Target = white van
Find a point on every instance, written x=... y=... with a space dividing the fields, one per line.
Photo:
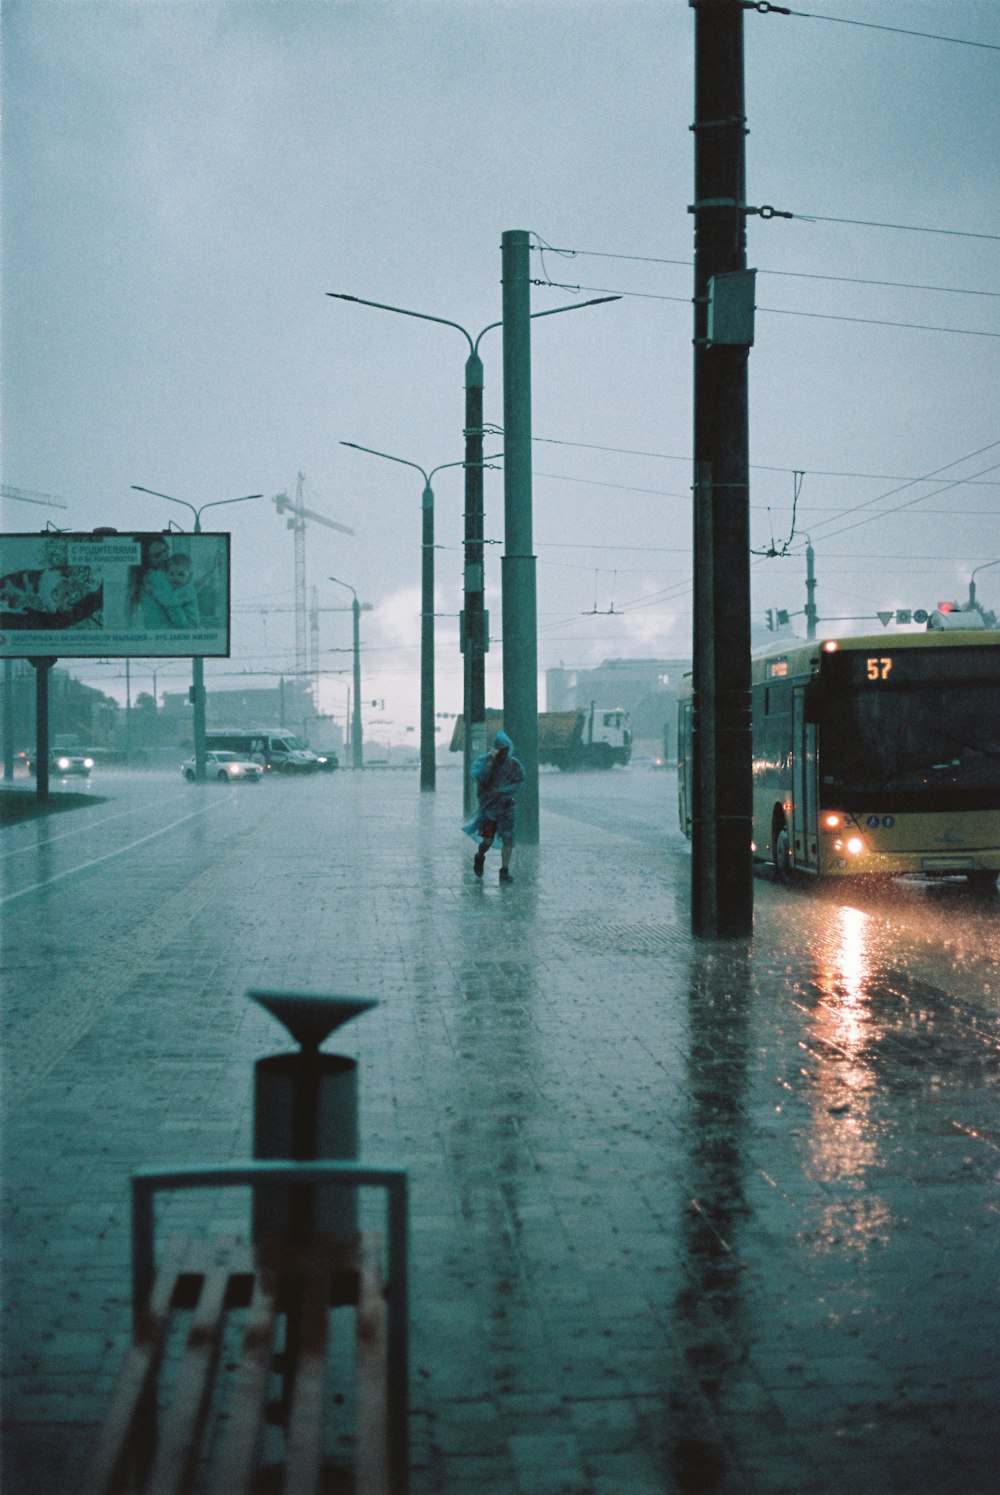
x=279 y=751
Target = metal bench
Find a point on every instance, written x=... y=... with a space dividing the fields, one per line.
x=195 y=1415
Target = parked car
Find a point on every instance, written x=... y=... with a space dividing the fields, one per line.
x=228 y=768
x=61 y=765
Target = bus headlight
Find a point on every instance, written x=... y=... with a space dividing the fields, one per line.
x=855 y=845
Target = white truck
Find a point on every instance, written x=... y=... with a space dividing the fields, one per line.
x=570 y=740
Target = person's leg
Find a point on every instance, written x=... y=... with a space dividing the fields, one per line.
x=478 y=861
x=505 y=856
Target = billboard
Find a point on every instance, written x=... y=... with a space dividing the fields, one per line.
x=112 y=595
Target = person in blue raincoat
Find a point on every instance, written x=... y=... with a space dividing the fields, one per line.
x=497 y=775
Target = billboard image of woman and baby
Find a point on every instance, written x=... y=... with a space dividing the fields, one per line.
x=107 y=595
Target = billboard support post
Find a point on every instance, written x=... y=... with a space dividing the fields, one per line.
x=42 y=669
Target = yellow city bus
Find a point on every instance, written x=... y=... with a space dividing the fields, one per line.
x=873 y=756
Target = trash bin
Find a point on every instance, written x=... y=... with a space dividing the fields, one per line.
x=306 y=1108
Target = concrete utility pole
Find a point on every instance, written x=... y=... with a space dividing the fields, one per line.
x=722 y=791
x=520 y=635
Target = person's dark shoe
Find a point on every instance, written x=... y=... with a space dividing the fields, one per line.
x=478 y=862
x=505 y=875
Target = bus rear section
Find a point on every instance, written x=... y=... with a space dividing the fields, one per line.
x=880 y=756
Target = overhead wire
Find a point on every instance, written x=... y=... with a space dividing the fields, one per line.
x=778 y=311
x=902 y=285
x=932 y=36
x=679 y=589
x=812 y=472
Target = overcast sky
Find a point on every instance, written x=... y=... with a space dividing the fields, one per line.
x=184 y=180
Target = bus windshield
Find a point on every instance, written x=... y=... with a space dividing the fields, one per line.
x=938 y=740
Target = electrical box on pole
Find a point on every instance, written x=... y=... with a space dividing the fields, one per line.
x=731 y=299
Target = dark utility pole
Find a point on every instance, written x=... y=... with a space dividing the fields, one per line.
x=520 y=636
x=722 y=798
x=428 y=746
x=474 y=639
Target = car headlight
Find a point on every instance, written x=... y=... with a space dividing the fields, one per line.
x=88 y=762
x=62 y=762
x=234 y=770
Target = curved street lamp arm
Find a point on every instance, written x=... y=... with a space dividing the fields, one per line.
x=168 y=496
x=404 y=312
x=217 y=501
x=575 y=306
x=552 y=312
x=404 y=462
x=196 y=512
x=441 y=467
x=346 y=584
x=389 y=458
x=484 y=463
x=475 y=346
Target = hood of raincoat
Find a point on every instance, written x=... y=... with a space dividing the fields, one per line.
x=501 y=740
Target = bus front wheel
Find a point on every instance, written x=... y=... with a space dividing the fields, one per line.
x=982 y=882
x=781 y=850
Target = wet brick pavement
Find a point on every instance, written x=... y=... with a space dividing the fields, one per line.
x=685 y=1217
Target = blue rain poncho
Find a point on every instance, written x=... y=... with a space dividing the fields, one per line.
x=497 y=780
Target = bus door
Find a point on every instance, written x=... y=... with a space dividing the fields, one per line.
x=804 y=830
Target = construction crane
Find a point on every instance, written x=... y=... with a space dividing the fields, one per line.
x=312 y=671
x=297 y=523
x=27 y=496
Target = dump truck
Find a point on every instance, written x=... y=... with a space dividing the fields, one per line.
x=571 y=740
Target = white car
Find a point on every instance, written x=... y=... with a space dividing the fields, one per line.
x=228 y=768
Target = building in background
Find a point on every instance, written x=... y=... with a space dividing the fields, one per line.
x=288 y=704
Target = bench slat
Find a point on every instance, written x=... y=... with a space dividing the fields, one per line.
x=304 y=1454
x=178 y=1447
x=372 y=1467
x=235 y=1469
x=137 y=1377
x=128 y=1442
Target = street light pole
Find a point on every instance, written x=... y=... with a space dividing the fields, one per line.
x=972 y=582
x=357 y=757
x=474 y=640
x=198 y=662
x=428 y=760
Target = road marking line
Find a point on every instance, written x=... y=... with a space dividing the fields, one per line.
x=108 y=855
x=63 y=835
